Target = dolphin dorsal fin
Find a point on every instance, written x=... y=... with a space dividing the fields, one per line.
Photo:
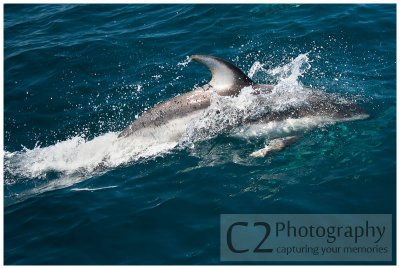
x=227 y=79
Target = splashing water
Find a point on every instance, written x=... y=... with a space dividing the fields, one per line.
x=222 y=116
x=255 y=68
x=289 y=91
x=78 y=157
x=225 y=114
x=185 y=62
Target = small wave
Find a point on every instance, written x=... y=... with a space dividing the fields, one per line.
x=93 y=189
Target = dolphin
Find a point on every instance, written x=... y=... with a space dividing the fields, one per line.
x=228 y=80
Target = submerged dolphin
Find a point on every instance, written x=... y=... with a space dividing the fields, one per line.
x=228 y=80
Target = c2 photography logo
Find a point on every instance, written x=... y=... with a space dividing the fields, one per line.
x=308 y=237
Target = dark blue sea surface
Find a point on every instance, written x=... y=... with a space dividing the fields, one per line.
x=76 y=75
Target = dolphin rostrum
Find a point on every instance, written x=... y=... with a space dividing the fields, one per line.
x=228 y=80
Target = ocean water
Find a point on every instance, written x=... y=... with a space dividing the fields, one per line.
x=76 y=75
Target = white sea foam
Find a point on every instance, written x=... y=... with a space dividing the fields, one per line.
x=77 y=156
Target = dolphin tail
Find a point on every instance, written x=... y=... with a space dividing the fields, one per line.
x=227 y=79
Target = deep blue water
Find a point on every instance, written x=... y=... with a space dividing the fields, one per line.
x=74 y=73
